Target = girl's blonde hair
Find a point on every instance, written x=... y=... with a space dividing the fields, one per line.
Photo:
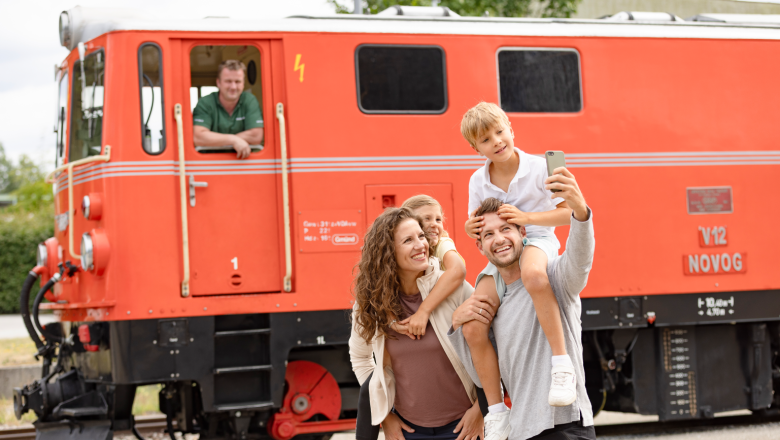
x=419 y=201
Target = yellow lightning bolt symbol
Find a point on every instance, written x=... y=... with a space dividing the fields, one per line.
x=298 y=65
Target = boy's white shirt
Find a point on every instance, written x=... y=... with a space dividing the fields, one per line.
x=526 y=191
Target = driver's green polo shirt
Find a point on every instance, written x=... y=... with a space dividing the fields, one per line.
x=209 y=113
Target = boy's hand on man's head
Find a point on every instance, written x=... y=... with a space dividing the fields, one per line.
x=474 y=225
x=563 y=180
x=512 y=215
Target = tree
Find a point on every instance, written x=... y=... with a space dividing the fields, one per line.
x=493 y=8
x=13 y=177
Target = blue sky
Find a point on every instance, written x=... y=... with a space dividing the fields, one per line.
x=31 y=48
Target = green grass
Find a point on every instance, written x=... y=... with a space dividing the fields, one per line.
x=7 y=417
x=15 y=352
x=146 y=400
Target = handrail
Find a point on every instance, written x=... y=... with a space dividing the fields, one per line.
x=69 y=167
x=185 y=243
x=285 y=200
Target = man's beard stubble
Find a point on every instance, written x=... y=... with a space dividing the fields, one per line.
x=514 y=260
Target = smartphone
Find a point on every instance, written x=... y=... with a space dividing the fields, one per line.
x=555 y=159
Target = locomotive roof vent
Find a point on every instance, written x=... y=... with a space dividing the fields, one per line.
x=642 y=16
x=419 y=11
x=737 y=18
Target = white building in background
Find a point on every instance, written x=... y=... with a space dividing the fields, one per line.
x=680 y=8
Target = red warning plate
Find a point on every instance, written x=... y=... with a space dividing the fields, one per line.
x=710 y=200
x=339 y=230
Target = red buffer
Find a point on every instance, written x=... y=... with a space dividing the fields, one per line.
x=311 y=390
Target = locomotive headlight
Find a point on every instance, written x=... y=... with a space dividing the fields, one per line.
x=65 y=29
x=94 y=251
x=87 y=252
x=42 y=256
x=85 y=207
x=92 y=206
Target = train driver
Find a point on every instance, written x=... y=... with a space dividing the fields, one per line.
x=229 y=116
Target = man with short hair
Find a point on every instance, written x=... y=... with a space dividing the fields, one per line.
x=523 y=351
x=230 y=116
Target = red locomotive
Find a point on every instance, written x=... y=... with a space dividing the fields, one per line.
x=228 y=280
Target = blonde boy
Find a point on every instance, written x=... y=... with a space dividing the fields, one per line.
x=517 y=179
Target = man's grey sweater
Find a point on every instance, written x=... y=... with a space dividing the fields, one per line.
x=523 y=351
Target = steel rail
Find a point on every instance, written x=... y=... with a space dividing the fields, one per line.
x=682 y=426
x=156 y=423
x=145 y=425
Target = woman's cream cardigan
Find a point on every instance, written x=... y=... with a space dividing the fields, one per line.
x=362 y=355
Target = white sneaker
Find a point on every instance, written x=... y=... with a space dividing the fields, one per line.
x=563 y=390
x=497 y=426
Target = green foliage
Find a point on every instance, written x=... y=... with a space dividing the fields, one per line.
x=14 y=176
x=20 y=234
x=22 y=226
x=493 y=8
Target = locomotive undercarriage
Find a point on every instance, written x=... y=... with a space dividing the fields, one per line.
x=687 y=363
x=287 y=375
x=223 y=377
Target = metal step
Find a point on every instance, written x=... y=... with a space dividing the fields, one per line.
x=228 y=370
x=244 y=405
x=254 y=331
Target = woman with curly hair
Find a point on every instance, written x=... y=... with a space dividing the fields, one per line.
x=418 y=388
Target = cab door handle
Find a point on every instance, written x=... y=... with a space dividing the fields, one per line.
x=193 y=185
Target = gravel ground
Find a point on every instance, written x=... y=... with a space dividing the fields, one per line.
x=768 y=431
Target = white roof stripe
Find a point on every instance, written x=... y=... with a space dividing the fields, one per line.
x=440 y=26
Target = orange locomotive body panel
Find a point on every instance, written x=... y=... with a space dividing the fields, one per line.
x=228 y=280
x=659 y=116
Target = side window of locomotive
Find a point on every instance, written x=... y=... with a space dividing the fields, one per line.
x=151 y=84
x=86 y=123
x=61 y=126
x=539 y=80
x=401 y=79
x=206 y=106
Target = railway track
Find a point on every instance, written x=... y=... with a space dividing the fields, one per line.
x=145 y=425
x=677 y=427
x=151 y=424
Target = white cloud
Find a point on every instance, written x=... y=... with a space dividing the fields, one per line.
x=30 y=32
x=27 y=118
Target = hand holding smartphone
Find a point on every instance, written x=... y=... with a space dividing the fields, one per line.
x=555 y=159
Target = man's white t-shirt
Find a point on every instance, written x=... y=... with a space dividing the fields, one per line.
x=526 y=191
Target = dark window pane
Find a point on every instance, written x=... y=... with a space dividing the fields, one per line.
x=539 y=81
x=151 y=83
x=401 y=79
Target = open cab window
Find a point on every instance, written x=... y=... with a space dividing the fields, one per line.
x=86 y=129
x=204 y=70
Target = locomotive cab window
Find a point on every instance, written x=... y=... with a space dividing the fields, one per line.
x=86 y=123
x=61 y=125
x=225 y=98
x=151 y=83
x=539 y=80
x=401 y=79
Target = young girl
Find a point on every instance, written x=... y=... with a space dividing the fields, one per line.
x=443 y=248
x=431 y=214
